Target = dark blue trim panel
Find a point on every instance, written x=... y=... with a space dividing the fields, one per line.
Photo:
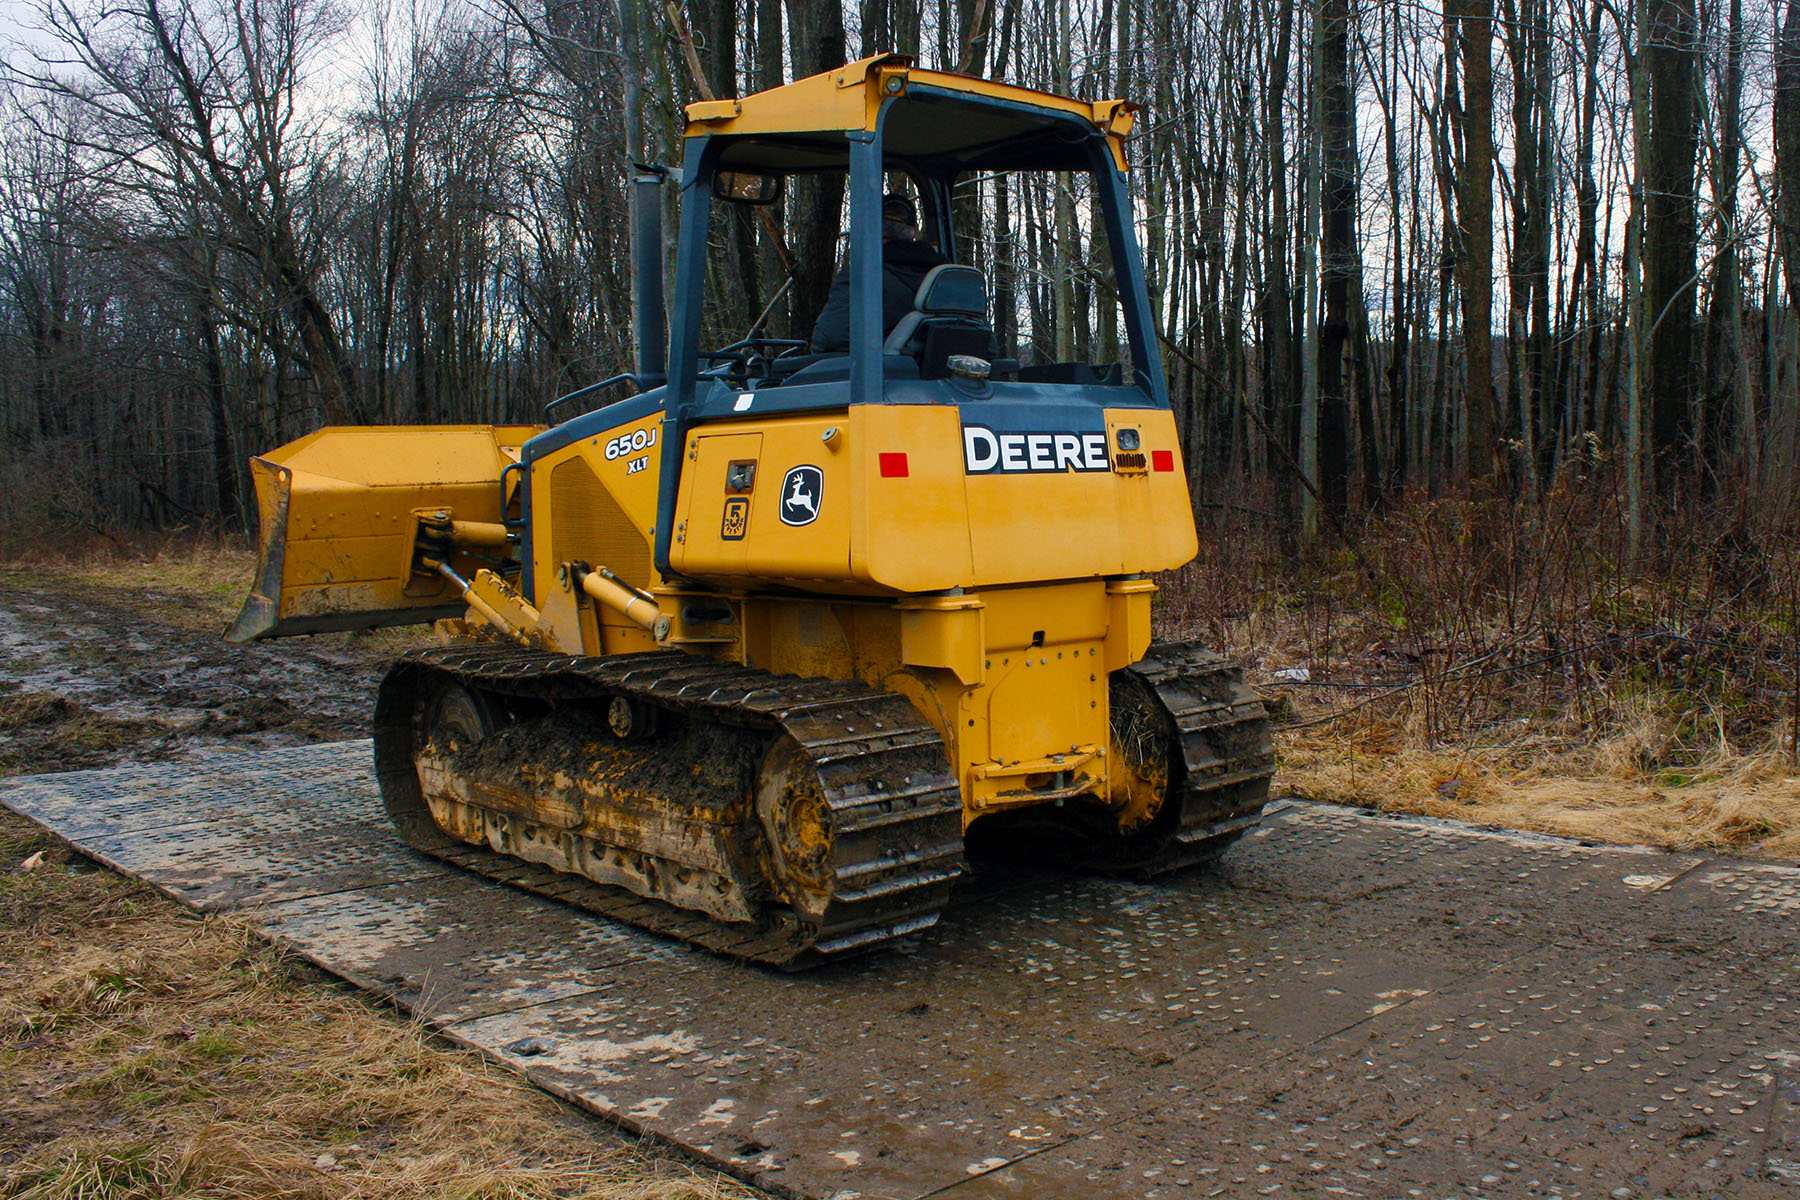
x=592 y=424
x=722 y=404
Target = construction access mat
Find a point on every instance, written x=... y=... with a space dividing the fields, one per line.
x=1347 y=1004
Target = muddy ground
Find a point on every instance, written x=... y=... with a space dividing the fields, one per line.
x=148 y=1051
x=92 y=675
x=156 y=1053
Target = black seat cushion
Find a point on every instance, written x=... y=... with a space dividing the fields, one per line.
x=941 y=337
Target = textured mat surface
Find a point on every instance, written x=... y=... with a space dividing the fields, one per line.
x=1347 y=1005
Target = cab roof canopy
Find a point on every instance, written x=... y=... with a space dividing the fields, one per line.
x=942 y=122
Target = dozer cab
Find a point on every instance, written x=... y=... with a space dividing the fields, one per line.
x=744 y=656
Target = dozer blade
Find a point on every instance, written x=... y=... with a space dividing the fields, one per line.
x=337 y=527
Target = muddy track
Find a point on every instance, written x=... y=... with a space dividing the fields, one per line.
x=888 y=805
x=96 y=676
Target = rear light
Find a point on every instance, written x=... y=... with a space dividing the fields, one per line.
x=893 y=465
x=1162 y=460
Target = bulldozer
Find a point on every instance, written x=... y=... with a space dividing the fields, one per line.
x=746 y=645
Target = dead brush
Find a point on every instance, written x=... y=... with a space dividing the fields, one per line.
x=1639 y=737
x=1512 y=663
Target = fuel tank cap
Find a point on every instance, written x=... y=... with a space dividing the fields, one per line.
x=968 y=366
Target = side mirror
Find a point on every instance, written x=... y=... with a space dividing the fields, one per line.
x=746 y=187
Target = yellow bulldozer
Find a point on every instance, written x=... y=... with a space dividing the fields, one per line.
x=741 y=647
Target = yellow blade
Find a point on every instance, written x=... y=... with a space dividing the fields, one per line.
x=337 y=526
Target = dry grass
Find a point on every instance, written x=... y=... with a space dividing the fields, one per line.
x=187 y=580
x=1741 y=803
x=1628 y=762
x=195 y=582
x=147 y=1052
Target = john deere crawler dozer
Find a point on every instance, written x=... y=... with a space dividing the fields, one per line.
x=744 y=655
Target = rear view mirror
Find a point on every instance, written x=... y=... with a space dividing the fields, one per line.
x=746 y=187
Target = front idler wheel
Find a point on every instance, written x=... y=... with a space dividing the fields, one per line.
x=455 y=718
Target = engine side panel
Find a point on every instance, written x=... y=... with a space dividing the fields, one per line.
x=897 y=499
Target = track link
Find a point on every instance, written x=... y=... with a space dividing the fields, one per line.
x=1213 y=749
x=893 y=808
x=1220 y=781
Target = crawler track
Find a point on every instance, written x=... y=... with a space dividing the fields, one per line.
x=1219 y=786
x=877 y=775
x=1213 y=752
x=861 y=776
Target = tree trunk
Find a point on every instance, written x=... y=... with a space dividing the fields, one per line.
x=1636 y=322
x=1475 y=229
x=228 y=503
x=1723 y=419
x=1671 y=69
x=1279 y=426
x=1309 y=304
x=816 y=37
x=1576 y=405
x=1399 y=302
x=1527 y=43
x=1787 y=149
x=1340 y=266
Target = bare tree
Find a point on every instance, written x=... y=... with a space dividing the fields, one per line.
x=1340 y=263
x=1787 y=146
x=1726 y=416
x=1474 y=33
x=205 y=98
x=1670 y=54
x=816 y=43
x=204 y=250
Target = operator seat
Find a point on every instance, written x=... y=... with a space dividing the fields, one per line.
x=949 y=316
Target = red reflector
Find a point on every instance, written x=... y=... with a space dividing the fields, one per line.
x=1162 y=460
x=893 y=466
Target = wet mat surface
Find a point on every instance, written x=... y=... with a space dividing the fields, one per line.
x=1348 y=1005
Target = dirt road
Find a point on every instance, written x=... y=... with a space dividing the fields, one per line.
x=1344 y=1005
x=92 y=675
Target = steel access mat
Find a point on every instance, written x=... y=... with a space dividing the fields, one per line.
x=1347 y=1004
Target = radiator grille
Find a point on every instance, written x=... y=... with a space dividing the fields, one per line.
x=586 y=523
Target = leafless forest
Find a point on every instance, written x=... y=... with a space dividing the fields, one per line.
x=1480 y=320
x=1397 y=253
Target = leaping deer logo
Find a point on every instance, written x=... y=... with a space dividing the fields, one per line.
x=800 y=495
